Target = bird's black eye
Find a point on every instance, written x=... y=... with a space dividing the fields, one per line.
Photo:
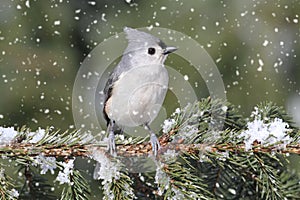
x=151 y=50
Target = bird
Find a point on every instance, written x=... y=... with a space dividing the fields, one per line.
x=136 y=88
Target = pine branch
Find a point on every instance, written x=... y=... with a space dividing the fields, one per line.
x=181 y=181
x=78 y=189
x=7 y=190
x=199 y=157
x=134 y=150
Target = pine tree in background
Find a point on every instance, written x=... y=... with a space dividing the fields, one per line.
x=209 y=151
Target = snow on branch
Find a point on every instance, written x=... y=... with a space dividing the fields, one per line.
x=14 y=149
x=244 y=149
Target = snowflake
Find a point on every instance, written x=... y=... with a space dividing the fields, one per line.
x=178 y=195
x=46 y=163
x=105 y=168
x=161 y=179
x=170 y=155
x=168 y=124
x=2 y=173
x=266 y=133
x=7 y=135
x=13 y=193
x=64 y=176
x=37 y=136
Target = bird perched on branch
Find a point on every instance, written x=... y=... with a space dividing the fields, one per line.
x=137 y=87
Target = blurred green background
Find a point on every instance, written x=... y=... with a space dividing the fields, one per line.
x=255 y=45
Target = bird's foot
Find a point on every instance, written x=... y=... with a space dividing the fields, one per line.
x=154 y=143
x=111 y=146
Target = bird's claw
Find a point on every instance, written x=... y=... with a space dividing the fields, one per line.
x=111 y=146
x=154 y=143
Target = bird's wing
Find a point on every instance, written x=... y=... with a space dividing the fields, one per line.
x=108 y=89
x=108 y=92
x=123 y=66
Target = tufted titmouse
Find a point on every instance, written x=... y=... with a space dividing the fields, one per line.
x=137 y=86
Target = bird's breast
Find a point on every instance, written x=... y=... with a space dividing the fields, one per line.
x=138 y=94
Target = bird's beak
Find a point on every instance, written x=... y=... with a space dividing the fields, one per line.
x=168 y=50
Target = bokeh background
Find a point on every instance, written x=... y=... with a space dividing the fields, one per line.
x=255 y=45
